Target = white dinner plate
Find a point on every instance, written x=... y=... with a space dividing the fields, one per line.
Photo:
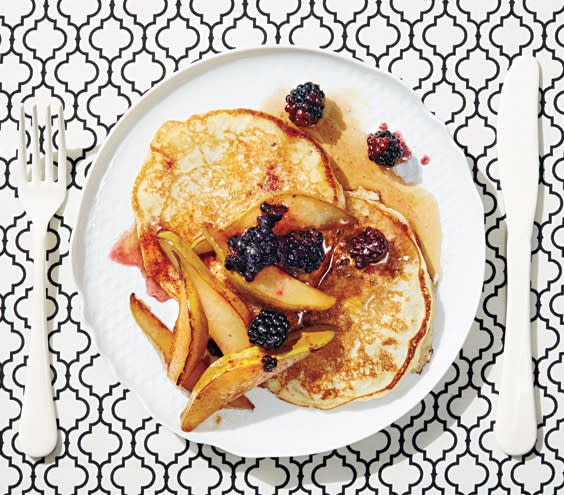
x=246 y=78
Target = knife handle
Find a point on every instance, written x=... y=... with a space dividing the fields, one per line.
x=516 y=422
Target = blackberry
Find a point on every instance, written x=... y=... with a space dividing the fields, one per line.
x=274 y=212
x=269 y=363
x=302 y=250
x=368 y=247
x=305 y=104
x=233 y=243
x=257 y=247
x=213 y=348
x=266 y=222
x=384 y=148
x=269 y=329
x=236 y=263
x=271 y=214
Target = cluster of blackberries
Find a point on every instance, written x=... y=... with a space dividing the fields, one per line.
x=259 y=246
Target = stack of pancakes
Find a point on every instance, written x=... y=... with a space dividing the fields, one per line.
x=213 y=167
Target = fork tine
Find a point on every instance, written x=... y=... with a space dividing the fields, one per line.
x=35 y=158
x=62 y=156
x=21 y=168
x=49 y=172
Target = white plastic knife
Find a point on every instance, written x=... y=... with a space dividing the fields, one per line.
x=518 y=162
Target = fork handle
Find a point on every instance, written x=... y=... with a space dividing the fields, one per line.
x=516 y=422
x=38 y=423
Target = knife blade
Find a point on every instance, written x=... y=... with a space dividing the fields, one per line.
x=518 y=161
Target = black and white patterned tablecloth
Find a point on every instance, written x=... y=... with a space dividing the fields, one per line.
x=98 y=57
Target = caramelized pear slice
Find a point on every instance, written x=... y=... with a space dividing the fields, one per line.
x=152 y=326
x=187 y=255
x=175 y=347
x=235 y=374
x=241 y=402
x=223 y=308
x=162 y=338
x=271 y=286
x=200 y=245
x=197 y=371
x=190 y=334
x=304 y=211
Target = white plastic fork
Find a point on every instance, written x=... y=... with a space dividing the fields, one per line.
x=42 y=196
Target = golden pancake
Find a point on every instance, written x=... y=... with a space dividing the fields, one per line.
x=212 y=167
x=383 y=311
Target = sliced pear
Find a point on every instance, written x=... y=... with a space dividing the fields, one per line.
x=235 y=374
x=183 y=367
x=225 y=325
x=197 y=371
x=182 y=337
x=152 y=326
x=190 y=334
x=223 y=308
x=163 y=339
x=304 y=211
x=241 y=402
x=187 y=255
x=200 y=245
x=271 y=286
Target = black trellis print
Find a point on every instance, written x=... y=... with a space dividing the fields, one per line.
x=98 y=57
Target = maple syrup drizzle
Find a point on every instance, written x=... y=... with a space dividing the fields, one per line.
x=339 y=134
